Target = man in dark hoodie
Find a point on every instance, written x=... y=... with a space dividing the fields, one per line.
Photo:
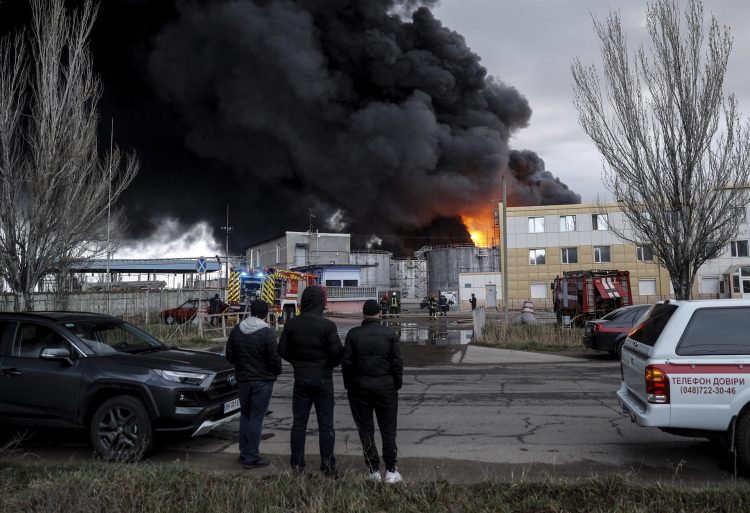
x=373 y=372
x=312 y=345
x=252 y=349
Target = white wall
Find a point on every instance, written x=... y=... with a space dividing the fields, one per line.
x=477 y=283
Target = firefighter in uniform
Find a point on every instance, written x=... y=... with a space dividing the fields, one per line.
x=443 y=305
x=384 y=305
x=395 y=305
x=433 y=306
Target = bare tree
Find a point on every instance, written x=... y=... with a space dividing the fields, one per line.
x=675 y=150
x=55 y=190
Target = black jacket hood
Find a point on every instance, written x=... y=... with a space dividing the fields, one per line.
x=313 y=300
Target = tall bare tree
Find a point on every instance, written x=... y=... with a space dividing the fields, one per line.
x=55 y=190
x=676 y=152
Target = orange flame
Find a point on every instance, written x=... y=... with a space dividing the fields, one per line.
x=481 y=228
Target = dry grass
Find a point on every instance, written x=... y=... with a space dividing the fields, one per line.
x=123 y=488
x=183 y=335
x=532 y=337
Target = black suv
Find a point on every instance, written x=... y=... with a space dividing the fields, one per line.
x=97 y=372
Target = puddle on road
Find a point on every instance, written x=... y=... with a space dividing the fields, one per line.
x=422 y=343
x=436 y=334
x=432 y=342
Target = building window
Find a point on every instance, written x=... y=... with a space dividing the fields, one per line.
x=710 y=285
x=599 y=221
x=644 y=253
x=567 y=223
x=539 y=290
x=569 y=255
x=741 y=214
x=536 y=256
x=536 y=224
x=738 y=248
x=333 y=283
x=601 y=254
x=647 y=287
x=351 y=283
x=300 y=255
x=278 y=253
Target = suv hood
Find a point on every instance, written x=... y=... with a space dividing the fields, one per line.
x=176 y=359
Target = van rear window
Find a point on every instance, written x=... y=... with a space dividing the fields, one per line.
x=717 y=331
x=648 y=330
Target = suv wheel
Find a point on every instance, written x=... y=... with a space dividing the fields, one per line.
x=169 y=319
x=742 y=441
x=121 y=429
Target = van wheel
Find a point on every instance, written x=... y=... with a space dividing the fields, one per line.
x=742 y=441
x=121 y=429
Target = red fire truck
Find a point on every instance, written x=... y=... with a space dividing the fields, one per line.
x=583 y=295
x=282 y=290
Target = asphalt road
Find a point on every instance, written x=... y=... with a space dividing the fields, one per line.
x=468 y=414
x=502 y=421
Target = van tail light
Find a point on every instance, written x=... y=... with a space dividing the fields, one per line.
x=657 y=385
x=598 y=328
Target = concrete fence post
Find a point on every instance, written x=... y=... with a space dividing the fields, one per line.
x=479 y=318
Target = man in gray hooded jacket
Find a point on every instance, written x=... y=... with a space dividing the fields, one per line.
x=253 y=350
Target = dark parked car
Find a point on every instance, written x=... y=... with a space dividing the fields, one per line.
x=187 y=311
x=609 y=332
x=96 y=372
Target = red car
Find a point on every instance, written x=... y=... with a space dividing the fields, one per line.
x=187 y=311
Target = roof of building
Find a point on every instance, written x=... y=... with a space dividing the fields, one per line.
x=336 y=267
x=287 y=233
x=155 y=265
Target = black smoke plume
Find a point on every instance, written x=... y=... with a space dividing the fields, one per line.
x=368 y=107
x=535 y=186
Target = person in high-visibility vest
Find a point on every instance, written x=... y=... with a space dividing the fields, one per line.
x=394 y=306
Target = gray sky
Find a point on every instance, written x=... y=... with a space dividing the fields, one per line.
x=530 y=44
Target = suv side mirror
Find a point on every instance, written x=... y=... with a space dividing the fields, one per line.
x=56 y=353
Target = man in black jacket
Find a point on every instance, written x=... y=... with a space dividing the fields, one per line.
x=252 y=349
x=373 y=372
x=312 y=345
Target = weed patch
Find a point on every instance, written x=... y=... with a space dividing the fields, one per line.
x=532 y=337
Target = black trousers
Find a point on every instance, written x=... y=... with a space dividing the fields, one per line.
x=384 y=403
x=306 y=393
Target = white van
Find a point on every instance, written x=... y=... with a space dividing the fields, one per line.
x=686 y=370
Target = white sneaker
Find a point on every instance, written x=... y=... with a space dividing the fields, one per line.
x=374 y=476
x=393 y=477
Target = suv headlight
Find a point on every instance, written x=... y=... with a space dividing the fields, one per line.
x=187 y=378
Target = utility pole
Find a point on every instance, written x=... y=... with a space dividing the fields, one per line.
x=227 y=229
x=504 y=224
x=309 y=240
